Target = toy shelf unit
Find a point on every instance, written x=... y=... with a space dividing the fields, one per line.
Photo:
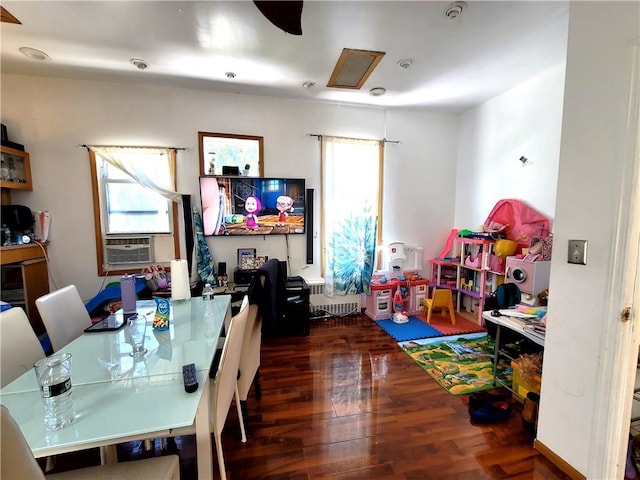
x=468 y=271
x=444 y=273
x=476 y=279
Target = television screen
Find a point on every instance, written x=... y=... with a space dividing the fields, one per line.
x=235 y=205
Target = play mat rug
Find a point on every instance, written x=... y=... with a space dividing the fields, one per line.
x=417 y=327
x=461 y=364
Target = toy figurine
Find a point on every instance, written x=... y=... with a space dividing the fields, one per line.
x=252 y=205
x=284 y=204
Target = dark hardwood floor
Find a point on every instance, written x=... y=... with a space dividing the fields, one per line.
x=346 y=403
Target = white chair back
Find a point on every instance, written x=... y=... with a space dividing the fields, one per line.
x=250 y=358
x=16 y=459
x=18 y=463
x=19 y=345
x=225 y=384
x=64 y=315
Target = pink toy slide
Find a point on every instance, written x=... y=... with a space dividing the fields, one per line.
x=447 y=248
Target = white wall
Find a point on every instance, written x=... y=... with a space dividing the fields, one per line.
x=52 y=116
x=525 y=121
x=421 y=174
x=589 y=179
x=588 y=108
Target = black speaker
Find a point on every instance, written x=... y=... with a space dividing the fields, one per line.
x=188 y=229
x=308 y=224
x=222 y=268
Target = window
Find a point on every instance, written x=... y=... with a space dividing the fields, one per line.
x=351 y=222
x=127 y=206
x=133 y=190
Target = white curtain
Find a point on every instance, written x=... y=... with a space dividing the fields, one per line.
x=128 y=159
x=350 y=201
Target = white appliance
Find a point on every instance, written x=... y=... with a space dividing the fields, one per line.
x=531 y=277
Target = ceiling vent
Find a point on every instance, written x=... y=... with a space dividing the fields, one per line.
x=353 y=68
x=5 y=16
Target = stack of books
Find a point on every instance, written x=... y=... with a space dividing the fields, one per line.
x=538 y=329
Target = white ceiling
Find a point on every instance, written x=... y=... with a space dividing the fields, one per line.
x=457 y=64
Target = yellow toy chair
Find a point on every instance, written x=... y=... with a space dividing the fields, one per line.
x=442 y=299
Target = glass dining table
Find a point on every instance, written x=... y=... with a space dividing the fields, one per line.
x=119 y=398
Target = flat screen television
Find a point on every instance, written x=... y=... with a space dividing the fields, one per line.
x=236 y=205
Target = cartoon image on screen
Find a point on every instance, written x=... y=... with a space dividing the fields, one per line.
x=235 y=205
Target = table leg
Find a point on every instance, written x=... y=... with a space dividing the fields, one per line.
x=203 y=433
x=496 y=353
x=108 y=454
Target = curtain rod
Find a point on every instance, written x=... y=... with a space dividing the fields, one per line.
x=82 y=145
x=384 y=140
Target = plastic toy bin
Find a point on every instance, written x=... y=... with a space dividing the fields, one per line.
x=521 y=386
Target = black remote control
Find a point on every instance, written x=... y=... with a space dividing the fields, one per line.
x=190 y=378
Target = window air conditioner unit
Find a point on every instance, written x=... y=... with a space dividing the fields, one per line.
x=126 y=250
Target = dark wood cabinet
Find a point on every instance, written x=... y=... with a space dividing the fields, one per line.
x=24 y=278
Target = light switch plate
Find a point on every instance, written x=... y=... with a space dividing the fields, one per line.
x=577 y=252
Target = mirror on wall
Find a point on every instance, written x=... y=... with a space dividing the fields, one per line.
x=230 y=154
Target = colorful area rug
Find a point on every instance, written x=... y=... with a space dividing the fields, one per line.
x=461 y=364
x=411 y=330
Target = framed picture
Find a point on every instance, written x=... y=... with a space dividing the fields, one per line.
x=260 y=260
x=230 y=154
x=246 y=258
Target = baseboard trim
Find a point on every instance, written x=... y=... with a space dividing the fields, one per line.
x=557 y=461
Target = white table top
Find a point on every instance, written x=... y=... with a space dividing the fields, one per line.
x=116 y=404
x=515 y=324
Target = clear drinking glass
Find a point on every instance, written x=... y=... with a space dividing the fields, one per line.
x=136 y=331
x=54 y=378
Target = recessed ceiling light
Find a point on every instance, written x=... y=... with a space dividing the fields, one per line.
x=405 y=63
x=377 y=91
x=230 y=75
x=139 y=64
x=454 y=10
x=33 y=53
x=308 y=84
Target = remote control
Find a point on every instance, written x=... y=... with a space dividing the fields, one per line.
x=190 y=378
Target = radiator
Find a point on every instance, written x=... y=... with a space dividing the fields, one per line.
x=322 y=305
x=335 y=309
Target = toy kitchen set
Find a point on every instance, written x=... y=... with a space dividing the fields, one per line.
x=401 y=284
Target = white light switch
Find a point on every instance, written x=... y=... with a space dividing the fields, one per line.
x=577 y=252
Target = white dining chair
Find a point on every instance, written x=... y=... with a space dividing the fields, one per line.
x=18 y=463
x=249 y=368
x=19 y=345
x=224 y=386
x=64 y=315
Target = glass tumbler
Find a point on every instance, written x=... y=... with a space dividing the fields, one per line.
x=136 y=331
x=54 y=378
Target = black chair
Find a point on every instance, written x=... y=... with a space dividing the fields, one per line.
x=268 y=290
